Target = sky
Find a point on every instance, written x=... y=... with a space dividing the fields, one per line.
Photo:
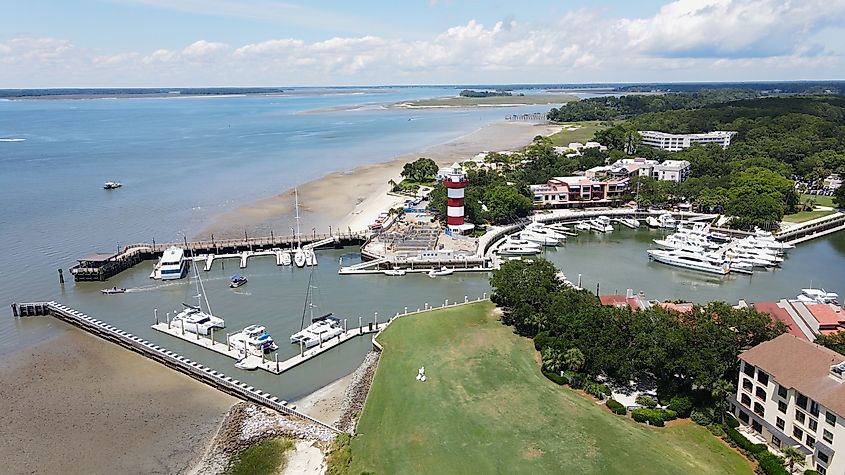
x=201 y=43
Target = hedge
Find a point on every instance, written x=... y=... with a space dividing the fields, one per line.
x=555 y=377
x=616 y=407
x=655 y=417
x=647 y=401
x=597 y=389
x=744 y=443
x=771 y=463
x=811 y=472
x=731 y=421
x=681 y=404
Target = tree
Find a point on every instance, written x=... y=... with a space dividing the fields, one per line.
x=839 y=197
x=573 y=359
x=552 y=359
x=504 y=204
x=720 y=391
x=421 y=170
x=834 y=341
x=792 y=455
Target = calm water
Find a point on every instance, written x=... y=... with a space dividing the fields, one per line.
x=183 y=161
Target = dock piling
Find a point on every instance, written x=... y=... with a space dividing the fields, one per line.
x=14 y=309
x=61 y=276
x=301 y=350
x=345 y=328
x=276 y=357
x=155 y=313
x=360 y=326
x=446 y=303
x=375 y=320
x=168 y=320
x=466 y=299
x=484 y=295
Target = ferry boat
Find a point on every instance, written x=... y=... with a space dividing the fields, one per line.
x=601 y=224
x=443 y=271
x=194 y=320
x=690 y=260
x=253 y=340
x=818 y=296
x=112 y=185
x=237 y=281
x=173 y=264
x=632 y=223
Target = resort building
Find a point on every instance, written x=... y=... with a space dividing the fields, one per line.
x=669 y=170
x=805 y=320
x=675 y=142
x=639 y=301
x=578 y=191
x=792 y=393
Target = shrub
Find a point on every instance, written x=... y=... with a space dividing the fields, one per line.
x=744 y=443
x=555 y=377
x=639 y=415
x=655 y=417
x=669 y=414
x=731 y=421
x=811 y=472
x=770 y=463
x=646 y=401
x=616 y=407
x=576 y=380
x=597 y=389
x=716 y=430
x=681 y=404
x=702 y=418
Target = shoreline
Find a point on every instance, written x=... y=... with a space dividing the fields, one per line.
x=352 y=199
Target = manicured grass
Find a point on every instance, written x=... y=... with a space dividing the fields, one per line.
x=583 y=134
x=264 y=458
x=495 y=100
x=803 y=216
x=486 y=408
x=820 y=200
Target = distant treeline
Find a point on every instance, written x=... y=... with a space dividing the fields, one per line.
x=88 y=92
x=471 y=93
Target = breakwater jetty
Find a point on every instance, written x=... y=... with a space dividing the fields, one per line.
x=162 y=355
x=102 y=266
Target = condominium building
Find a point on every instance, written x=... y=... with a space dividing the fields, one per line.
x=669 y=170
x=578 y=191
x=675 y=142
x=792 y=393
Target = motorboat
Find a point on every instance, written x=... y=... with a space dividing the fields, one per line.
x=697 y=230
x=310 y=258
x=395 y=272
x=756 y=261
x=192 y=319
x=112 y=185
x=286 y=260
x=716 y=236
x=321 y=329
x=237 y=281
x=768 y=242
x=744 y=247
x=690 y=260
x=742 y=267
x=667 y=221
x=443 y=271
x=652 y=222
x=678 y=242
x=632 y=223
x=247 y=363
x=113 y=290
x=538 y=238
x=601 y=224
x=583 y=226
x=811 y=295
x=299 y=258
x=173 y=264
x=519 y=249
x=253 y=341
x=564 y=281
x=545 y=230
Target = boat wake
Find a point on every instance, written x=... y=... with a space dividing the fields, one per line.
x=11 y=140
x=243 y=293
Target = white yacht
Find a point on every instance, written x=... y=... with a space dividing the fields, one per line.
x=194 y=320
x=310 y=257
x=757 y=261
x=818 y=296
x=443 y=271
x=299 y=258
x=690 y=260
x=675 y=241
x=667 y=221
x=512 y=249
x=630 y=222
x=253 y=341
x=321 y=329
x=768 y=242
x=545 y=230
x=395 y=272
x=583 y=226
x=601 y=224
x=286 y=260
x=716 y=236
x=698 y=230
x=538 y=237
x=652 y=222
x=173 y=264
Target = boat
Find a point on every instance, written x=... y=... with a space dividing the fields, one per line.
x=673 y=241
x=652 y=222
x=113 y=290
x=395 y=272
x=310 y=257
x=299 y=258
x=716 y=236
x=545 y=230
x=812 y=295
x=697 y=230
x=561 y=278
x=237 y=281
x=253 y=341
x=112 y=185
x=749 y=258
x=766 y=239
x=286 y=260
x=742 y=267
x=632 y=223
x=247 y=363
x=516 y=240
x=583 y=226
x=538 y=238
x=690 y=260
x=321 y=329
x=441 y=272
x=299 y=255
x=601 y=224
x=519 y=249
x=193 y=319
x=667 y=221
x=173 y=264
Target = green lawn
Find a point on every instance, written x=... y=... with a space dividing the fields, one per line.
x=267 y=457
x=820 y=200
x=583 y=134
x=804 y=216
x=486 y=408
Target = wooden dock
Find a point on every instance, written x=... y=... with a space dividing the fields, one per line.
x=164 y=356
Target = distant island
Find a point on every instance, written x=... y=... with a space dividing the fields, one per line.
x=498 y=93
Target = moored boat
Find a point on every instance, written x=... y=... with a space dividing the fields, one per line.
x=629 y=222
x=690 y=260
x=440 y=272
x=395 y=272
x=253 y=341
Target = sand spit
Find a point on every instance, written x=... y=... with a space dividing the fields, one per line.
x=352 y=199
x=78 y=404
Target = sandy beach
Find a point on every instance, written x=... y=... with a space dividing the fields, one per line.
x=78 y=404
x=353 y=199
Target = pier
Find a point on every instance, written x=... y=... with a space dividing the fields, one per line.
x=162 y=355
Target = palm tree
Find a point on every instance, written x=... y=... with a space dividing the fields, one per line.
x=551 y=359
x=792 y=455
x=573 y=359
x=720 y=391
x=392 y=184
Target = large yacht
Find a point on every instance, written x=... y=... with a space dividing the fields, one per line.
x=512 y=249
x=253 y=340
x=690 y=260
x=173 y=264
x=194 y=320
x=601 y=224
x=538 y=236
x=680 y=241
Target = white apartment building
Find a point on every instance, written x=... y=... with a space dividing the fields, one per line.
x=675 y=142
x=669 y=170
x=792 y=392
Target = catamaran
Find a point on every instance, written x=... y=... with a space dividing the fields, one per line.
x=193 y=319
x=321 y=329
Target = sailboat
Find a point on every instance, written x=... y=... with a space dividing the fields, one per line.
x=193 y=319
x=299 y=255
x=321 y=328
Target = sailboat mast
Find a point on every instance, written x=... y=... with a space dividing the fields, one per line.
x=307 y=300
x=296 y=205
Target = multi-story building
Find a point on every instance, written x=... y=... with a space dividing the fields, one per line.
x=578 y=191
x=669 y=170
x=792 y=392
x=675 y=142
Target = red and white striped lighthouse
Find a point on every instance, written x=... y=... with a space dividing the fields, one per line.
x=455 y=184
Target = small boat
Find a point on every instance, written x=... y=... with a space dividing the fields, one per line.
x=310 y=258
x=112 y=185
x=652 y=222
x=395 y=272
x=632 y=223
x=742 y=267
x=583 y=226
x=246 y=363
x=237 y=281
x=818 y=296
x=113 y=290
x=441 y=272
x=286 y=260
x=299 y=258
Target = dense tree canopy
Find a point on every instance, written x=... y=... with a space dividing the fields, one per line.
x=421 y=170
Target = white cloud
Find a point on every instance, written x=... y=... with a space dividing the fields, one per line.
x=685 y=40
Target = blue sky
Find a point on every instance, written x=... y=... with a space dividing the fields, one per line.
x=51 y=43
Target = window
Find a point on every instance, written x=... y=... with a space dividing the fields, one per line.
x=830 y=418
x=757 y=426
x=748 y=369
x=814 y=408
x=797 y=433
x=801 y=401
x=821 y=470
x=746 y=384
x=761 y=393
x=759 y=410
x=811 y=442
x=780 y=423
x=762 y=377
x=827 y=436
x=743 y=416
x=775 y=441
x=745 y=399
x=813 y=425
x=781 y=391
x=782 y=407
x=800 y=417
x=823 y=457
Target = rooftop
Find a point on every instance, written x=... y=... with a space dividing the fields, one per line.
x=826 y=314
x=804 y=366
x=779 y=313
